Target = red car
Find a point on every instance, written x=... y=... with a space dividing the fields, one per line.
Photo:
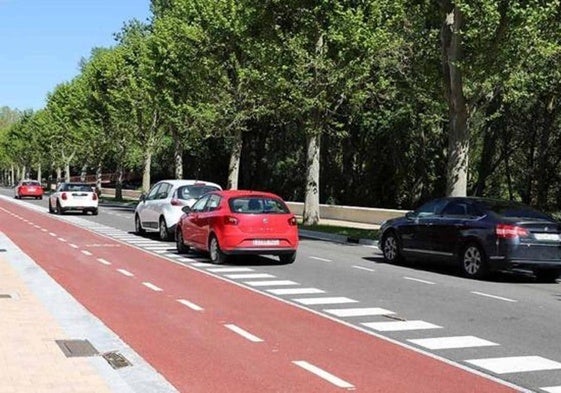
x=28 y=188
x=235 y=222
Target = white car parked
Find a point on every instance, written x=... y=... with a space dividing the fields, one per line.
x=160 y=209
x=74 y=196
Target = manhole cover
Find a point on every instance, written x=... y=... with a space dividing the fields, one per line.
x=116 y=360
x=77 y=348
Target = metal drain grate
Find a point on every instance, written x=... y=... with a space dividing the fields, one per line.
x=77 y=348
x=116 y=360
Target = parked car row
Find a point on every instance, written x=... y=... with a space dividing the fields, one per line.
x=202 y=216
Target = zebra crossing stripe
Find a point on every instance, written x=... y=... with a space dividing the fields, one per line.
x=358 y=312
x=398 y=326
x=552 y=389
x=452 y=342
x=515 y=364
x=324 y=300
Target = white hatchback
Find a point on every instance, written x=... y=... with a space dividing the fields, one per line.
x=74 y=196
x=160 y=209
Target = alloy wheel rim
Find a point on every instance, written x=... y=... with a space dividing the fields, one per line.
x=213 y=249
x=390 y=248
x=163 y=230
x=472 y=260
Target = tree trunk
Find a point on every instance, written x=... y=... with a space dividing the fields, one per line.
x=67 y=171
x=83 y=172
x=458 y=137
x=58 y=174
x=147 y=162
x=178 y=158
x=12 y=175
x=311 y=204
x=235 y=157
x=39 y=174
x=23 y=172
x=119 y=184
x=98 y=178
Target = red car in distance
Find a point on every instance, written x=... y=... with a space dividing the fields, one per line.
x=236 y=222
x=28 y=188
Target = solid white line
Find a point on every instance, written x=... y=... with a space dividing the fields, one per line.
x=192 y=306
x=363 y=268
x=271 y=283
x=249 y=275
x=452 y=342
x=125 y=272
x=73 y=245
x=325 y=300
x=101 y=260
x=323 y=374
x=358 y=312
x=399 y=326
x=152 y=286
x=86 y=253
x=321 y=259
x=295 y=291
x=418 y=280
x=515 y=364
x=61 y=239
x=244 y=333
x=494 y=297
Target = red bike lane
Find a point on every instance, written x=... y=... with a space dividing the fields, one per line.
x=136 y=293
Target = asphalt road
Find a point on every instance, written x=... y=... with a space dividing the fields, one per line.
x=507 y=328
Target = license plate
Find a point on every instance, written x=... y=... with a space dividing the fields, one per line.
x=547 y=236
x=266 y=242
x=31 y=189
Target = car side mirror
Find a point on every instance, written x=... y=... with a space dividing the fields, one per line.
x=186 y=209
x=410 y=215
x=142 y=198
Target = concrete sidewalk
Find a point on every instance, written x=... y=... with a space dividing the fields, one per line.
x=38 y=317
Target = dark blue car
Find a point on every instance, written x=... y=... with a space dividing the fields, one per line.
x=481 y=235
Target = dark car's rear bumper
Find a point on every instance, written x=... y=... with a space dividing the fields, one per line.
x=527 y=256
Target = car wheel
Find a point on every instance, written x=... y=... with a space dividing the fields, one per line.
x=474 y=262
x=390 y=248
x=59 y=208
x=287 y=258
x=546 y=275
x=179 y=243
x=95 y=212
x=84 y=212
x=138 y=226
x=51 y=210
x=216 y=254
x=164 y=233
x=40 y=197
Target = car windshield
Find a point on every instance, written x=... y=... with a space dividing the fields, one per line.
x=258 y=204
x=514 y=209
x=30 y=183
x=77 y=187
x=195 y=191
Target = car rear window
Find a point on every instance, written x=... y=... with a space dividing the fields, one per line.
x=31 y=183
x=514 y=210
x=195 y=191
x=256 y=204
x=77 y=187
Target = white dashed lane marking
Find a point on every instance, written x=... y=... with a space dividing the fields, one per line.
x=152 y=286
x=358 y=312
x=515 y=364
x=271 y=283
x=321 y=259
x=419 y=280
x=295 y=291
x=494 y=296
x=364 y=268
x=323 y=374
x=452 y=342
x=325 y=300
x=243 y=333
x=189 y=304
x=86 y=253
x=73 y=245
x=399 y=326
x=103 y=261
x=125 y=272
x=61 y=239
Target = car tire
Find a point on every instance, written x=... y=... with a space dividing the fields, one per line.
x=59 y=208
x=40 y=197
x=163 y=229
x=84 y=212
x=287 y=259
x=138 y=226
x=547 y=275
x=390 y=248
x=51 y=210
x=216 y=255
x=179 y=244
x=95 y=211
x=473 y=262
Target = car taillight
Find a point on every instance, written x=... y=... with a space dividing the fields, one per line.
x=63 y=196
x=292 y=221
x=229 y=220
x=505 y=231
x=176 y=202
x=94 y=196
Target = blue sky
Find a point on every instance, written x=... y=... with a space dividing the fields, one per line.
x=44 y=40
